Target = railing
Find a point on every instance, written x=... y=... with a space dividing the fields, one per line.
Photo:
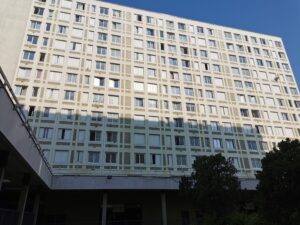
x=6 y=86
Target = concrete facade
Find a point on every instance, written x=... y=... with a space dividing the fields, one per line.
x=112 y=90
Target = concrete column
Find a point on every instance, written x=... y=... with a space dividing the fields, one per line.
x=3 y=162
x=36 y=207
x=23 y=198
x=104 y=208
x=2 y=172
x=164 y=208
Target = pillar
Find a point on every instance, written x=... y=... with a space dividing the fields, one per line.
x=164 y=208
x=104 y=208
x=3 y=162
x=36 y=206
x=23 y=198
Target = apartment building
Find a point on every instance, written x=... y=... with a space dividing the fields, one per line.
x=122 y=101
x=112 y=90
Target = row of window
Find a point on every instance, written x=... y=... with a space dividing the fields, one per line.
x=93 y=157
x=152 y=140
x=114 y=67
x=161 y=23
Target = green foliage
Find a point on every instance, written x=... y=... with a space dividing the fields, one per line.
x=279 y=184
x=239 y=218
x=213 y=187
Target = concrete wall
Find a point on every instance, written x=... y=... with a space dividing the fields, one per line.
x=13 y=21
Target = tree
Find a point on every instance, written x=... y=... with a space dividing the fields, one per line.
x=213 y=186
x=279 y=184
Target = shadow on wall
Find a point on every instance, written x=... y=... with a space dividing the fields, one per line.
x=102 y=145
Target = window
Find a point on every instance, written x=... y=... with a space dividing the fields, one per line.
x=113 y=100
x=112 y=117
x=52 y=93
x=116 y=26
x=61 y=156
x=150 y=32
x=194 y=141
x=98 y=98
x=152 y=103
x=139 y=102
x=115 y=39
x=71 y=78
x=252 y=145
x=154 y=140
x=244 y=112
x=181 y=160
x=217 y=143
x=152 y=88
x=117 y=13
x=179 y=140
x=173 y=61
x=112 y=136
x=116 y=53
x=138 y=17
x=155 y=159
x=101 y=50
x=99 y=81
x=100 y=65
x=66 y=114
x=102 y=36
x=189 y=91
x=139 y=158
x=138 y=30
x=138 y=71
x=103 y=23
x=79 y=157
x=151 y=58
x=45 y=133
x=138 y=56
x=64 y=134
x=38 y=11
x=93 y=157
x=116 y=68
x=32 y=39
x=176 y=106
x=110 y=157
x=209 y=94
x=58 y=59
x=24 y=72
x=62 y=29
x=28 y=55
x=69 y=95
x=35 y=25
x=256 y=163
x=190 y=107
x=114 y=83
x=103 y=11
x=95 y=135
x=139 y=139
x=20 y=90
x=79 y=18
x=96 y=116
x=178 y=122
x=229 y=144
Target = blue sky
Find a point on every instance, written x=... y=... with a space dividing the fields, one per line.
x=274 y=17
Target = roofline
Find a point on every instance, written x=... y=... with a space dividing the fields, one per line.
x=191 y=20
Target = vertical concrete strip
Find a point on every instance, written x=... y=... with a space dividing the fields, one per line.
x=22 y=204
x=23 y=198
x=36 y=207
x=164 y=208
x=3 y=162
x=104 y=208
x=2 y=172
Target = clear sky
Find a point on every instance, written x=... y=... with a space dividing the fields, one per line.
x=274 y=17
